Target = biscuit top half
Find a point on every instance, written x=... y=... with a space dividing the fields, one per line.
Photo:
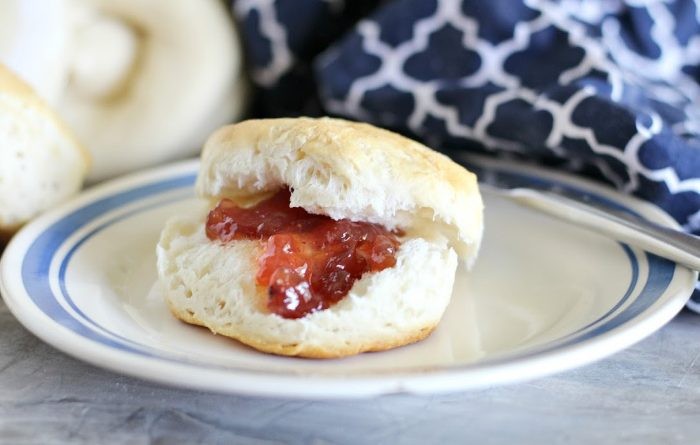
x=346 y=170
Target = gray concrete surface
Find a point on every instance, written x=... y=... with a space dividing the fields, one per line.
x=649 y=393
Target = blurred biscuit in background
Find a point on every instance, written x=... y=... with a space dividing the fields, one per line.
x=140 y=82
x=41 y=162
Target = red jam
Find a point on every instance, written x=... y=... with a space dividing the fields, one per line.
x=310 y=261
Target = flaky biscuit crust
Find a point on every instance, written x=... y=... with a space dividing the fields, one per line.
x=345 y=170
x=13 y=86
x=306 y=350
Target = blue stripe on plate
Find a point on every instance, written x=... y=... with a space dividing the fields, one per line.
x=67 y=258
x=35 y=268
x=628 y=293
x=660 y=273
x=37 y=261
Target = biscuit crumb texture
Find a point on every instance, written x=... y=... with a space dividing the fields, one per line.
x=41 y=164
x=213 y=285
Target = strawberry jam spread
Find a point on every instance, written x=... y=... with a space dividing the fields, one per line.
x=310 y=261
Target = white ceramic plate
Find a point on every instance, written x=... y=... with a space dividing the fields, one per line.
x=543 y=297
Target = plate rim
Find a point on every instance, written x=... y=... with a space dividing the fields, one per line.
x=429 y=380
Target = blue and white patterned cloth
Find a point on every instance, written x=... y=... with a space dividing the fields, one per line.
x=605 y=88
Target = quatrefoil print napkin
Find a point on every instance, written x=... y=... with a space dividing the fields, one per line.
x=603 y=88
